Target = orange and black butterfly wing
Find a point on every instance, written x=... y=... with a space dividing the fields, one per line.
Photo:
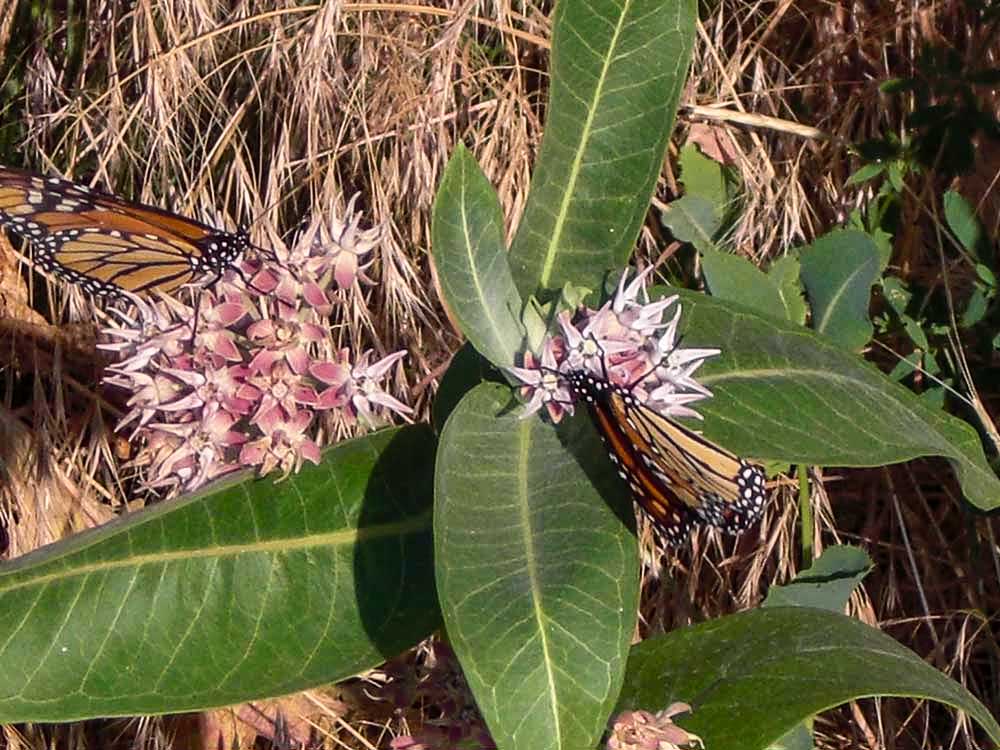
x=108 y=245
x=723 y=490
x=676 y=476
x=106 y=261
x=653 y=493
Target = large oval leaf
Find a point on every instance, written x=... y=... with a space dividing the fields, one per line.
x=617 y=73
x=752 y=677
x=471 y=260
x=537 y=576
x=785 y=393
x=254 y=590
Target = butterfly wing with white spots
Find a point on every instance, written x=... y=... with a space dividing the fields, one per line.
x=108 y=245
x=677 y=476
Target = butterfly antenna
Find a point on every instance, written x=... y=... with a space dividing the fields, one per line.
x=197 y=312
x=248 y=283
x=285 y=196
x=604 y=362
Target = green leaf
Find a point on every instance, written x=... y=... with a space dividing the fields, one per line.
x=538 y=319
x=617 y=74
x=896 y=294
x=975 y=309
x=800 y=738
x=986 y=275
x=966 y=227
x=838 y=271
x=734 y=278
x=468 y=368
x=693 y=219
x=537 y=575
x=248 y=591
x=867 y=172
x=784 y=393
x=784 y=274
x=471 y=260
x=933 y=367
x=883 y=241
x=933 y=398
x=703 y=177
x=896 y=85
x=916 y=332
x=895 y=175
x=754 y=676
x=906 y=366
x=827 y=584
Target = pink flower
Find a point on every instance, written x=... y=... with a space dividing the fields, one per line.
x=168 y=466
x=149 y=393
x=642 y=730
x=365 y=387
x=542 y=385
x=626 y=342
x=263 y=278
x=595 y=340
x=286 y=339
x=336 y=375
x=643 y=318
x=221 y=386
x=285 y=444
x=199 y=456
x=157 y=329
x=338 y=247
x=241 y=384
x=279 y=389
x=215 y=330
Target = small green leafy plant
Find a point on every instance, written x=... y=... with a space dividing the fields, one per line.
x=947 y=113
x=957 y=296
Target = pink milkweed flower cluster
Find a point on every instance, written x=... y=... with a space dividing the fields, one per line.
x=239 y=381
x=642 y=730
x=630 y=342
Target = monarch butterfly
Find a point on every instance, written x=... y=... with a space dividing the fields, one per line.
x=678 y=477
x=108 y=245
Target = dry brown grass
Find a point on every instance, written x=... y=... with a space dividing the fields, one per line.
x=278 y=113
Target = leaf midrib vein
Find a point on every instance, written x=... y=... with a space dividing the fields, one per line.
x=285 y=545
x=577 y=163
x=532 y=566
